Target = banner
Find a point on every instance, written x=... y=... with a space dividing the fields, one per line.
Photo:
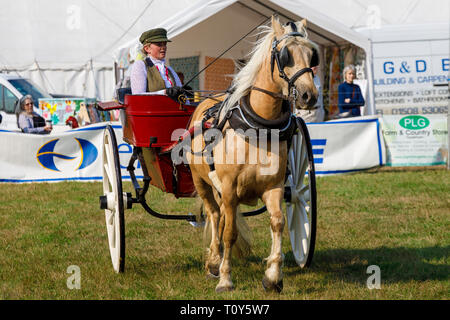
x=411 y=84
x=416 y=140
x=349 y=145
x=338 y=147
x=70 y=155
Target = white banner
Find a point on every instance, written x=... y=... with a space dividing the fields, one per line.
x=411 y=84
x=416 y=140
x=70 y=155
x=347 y=145
x=338 y=147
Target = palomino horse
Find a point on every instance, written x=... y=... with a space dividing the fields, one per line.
x=278 y=70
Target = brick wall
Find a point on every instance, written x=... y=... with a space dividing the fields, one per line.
x=219 y=75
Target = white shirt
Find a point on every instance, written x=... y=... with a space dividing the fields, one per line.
x=138 y=76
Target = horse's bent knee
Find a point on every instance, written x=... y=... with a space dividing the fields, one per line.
x=277 y=221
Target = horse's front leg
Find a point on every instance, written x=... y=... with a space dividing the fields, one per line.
x=230 y=234
x=273 y=278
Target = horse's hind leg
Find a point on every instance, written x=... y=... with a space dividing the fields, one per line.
x=230 y=234
x=273 y=278
x=213 y=257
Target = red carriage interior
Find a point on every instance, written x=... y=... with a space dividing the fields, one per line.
x=149 y=117
x=153 y=116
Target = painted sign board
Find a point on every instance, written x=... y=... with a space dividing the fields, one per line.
x=415 y=140
x=59 y=109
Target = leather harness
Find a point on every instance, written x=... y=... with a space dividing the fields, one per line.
x=242 y=116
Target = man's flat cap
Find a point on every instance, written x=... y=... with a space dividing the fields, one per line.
x=154 y=35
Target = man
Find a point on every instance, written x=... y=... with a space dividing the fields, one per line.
x=152 y=75
x=317 y=114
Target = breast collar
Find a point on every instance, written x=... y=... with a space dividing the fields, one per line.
x=243 y=117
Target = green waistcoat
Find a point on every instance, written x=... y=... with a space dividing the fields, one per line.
x=154 y=80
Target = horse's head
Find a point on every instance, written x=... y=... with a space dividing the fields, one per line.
x=292 y=56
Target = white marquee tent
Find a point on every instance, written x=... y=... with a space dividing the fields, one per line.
x=66 y=46
x=69 y=46
x=208 y=28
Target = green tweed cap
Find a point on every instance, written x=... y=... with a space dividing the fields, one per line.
x=154 y=35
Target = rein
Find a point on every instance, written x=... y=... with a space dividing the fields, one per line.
x=234 y=44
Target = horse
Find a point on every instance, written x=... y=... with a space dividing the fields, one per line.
x=223 y=186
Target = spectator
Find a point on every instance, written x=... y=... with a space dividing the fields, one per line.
x=28 y=120
x=350 y=96
x=152 y=75
x=317 y=114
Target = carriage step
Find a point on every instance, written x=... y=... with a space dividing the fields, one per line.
x=107 y=201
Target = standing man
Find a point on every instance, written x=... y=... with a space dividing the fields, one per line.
x=152 y=76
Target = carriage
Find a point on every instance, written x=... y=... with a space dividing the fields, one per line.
x=149 y=123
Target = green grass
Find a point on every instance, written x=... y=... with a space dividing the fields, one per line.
x=396 y=219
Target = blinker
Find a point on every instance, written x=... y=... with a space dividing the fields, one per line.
x=284 y=57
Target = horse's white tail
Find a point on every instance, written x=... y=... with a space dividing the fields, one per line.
x=242 y=246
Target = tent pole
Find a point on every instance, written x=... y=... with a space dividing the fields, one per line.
x=369 y=63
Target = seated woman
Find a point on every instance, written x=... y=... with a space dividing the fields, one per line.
x=350 y=96
x=28 y=120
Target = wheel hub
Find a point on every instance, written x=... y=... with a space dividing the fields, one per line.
x=108 y=201
x=291 y=195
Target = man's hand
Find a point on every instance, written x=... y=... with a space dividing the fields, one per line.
x=347 y=100
x=175 y=93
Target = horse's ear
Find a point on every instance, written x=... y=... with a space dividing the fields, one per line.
x=277 y=27
x=303 y=23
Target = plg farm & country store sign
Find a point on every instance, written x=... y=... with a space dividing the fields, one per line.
x=415 y=140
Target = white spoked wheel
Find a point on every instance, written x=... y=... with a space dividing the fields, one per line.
x=301 y=197
x=112 y=200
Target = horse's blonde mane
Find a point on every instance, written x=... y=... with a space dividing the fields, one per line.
x=245 y=77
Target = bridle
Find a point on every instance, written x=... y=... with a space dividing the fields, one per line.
x=282 y=57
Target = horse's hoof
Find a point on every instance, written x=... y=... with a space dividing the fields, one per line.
x=213 y=272
x=210 y=275
x=224 y=289
x=270 y=286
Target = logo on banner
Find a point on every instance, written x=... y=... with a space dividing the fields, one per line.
x=318 y=148
x=46 y=154
x=414 y=122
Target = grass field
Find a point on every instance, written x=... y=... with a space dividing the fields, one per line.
x=395 y=219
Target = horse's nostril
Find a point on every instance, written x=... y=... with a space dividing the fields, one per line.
x=312 y=101
x=305 y=96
